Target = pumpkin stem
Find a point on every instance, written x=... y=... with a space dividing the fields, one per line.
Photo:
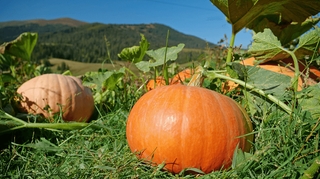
x=197 y=77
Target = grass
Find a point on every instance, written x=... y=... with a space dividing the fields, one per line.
x=282 y=149
x=86 y=153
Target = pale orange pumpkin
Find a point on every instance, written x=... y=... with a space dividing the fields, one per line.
x=52 y=94
x=187 y=127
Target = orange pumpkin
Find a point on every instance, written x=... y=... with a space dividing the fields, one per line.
x=179 y=78
x=160 y=81
x=182 y=76
x=187 y=127
x=50 y=94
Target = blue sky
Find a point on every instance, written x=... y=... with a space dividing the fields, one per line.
x=193 y=17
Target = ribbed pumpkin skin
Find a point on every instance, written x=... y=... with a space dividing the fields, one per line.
x=57 y=91
x=187 y=127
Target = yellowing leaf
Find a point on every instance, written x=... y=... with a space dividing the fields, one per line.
x=256 y=14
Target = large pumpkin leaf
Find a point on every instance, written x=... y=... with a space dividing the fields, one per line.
x=21 y=47
x=237 y=11
x=256 y=14
x=309 y=100
x=268 y=81
x=271 y=83
x=266 y=47
x=103 y=84
x=308 y=43
x=286 y=32
x=136 y=53
x=170 y=53
x=160 y=56
x=101 y=81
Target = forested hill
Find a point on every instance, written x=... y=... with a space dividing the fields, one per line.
x=86 y=42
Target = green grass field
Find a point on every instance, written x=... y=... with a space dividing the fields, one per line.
x=79 y=68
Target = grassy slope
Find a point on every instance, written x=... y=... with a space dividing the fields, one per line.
x=79 y=68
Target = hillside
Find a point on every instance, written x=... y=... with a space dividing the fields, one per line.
x=86 y=42
x=42 y=22
x=10 y=30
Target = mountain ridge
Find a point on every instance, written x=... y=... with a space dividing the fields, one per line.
x=87 y=42
x=64 y=21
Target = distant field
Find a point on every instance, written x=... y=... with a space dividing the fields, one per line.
x=79 y=68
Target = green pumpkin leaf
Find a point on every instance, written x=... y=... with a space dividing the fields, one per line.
x=143 y=66
x=170 y=53
x=160 y=54
x=272 y=83
x=266 y=47
x=21 y=47
x=309 y=100
x=102 y=81
x=308 y=44
x=135 y=53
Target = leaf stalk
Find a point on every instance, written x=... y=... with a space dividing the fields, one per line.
x=53 y=126
x=230 y=48
x=213 y=74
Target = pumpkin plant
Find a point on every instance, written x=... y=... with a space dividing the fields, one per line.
x=279 y=16
x=309 y=75
x=186 y=127
x=51 y=94
x=17 y=66
x=158 y=59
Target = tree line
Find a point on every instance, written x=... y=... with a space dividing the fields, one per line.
x=89 y=43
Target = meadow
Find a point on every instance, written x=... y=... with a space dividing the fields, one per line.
x=282 y=106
